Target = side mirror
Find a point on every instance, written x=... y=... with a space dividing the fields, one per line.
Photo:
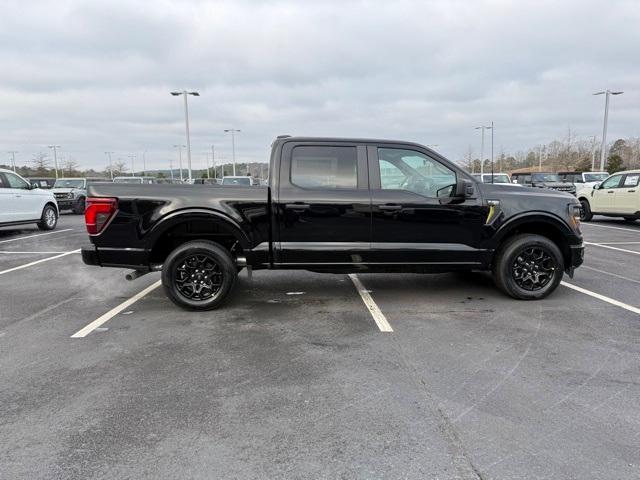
x=596 y=186
x=514 y=181
x=464 y=188
x=35 y=185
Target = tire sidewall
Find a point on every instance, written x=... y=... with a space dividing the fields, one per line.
x=222 y=258
x=585 y=214
x=43 y=219
x=508 y=256
x=79 y=207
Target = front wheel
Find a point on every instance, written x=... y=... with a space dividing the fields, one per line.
x=198 y=275
x=528 y=267
x=79 y=206
x=48 y=219
x=585 y=211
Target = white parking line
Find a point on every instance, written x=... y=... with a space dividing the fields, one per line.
x=609 y=273
x=608 y=226
x=619 y=243
x=604 y=298
x=20 y=267
x=31 y=253
x=83 y=332
x=612 y=248
x=375 y=311
x=36 y=235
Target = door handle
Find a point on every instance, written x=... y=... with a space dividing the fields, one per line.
x=297 y=206
x=611 y=191
x=390 y=207
x=18 y=196
x=631 y=191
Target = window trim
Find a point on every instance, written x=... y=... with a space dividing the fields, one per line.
x=622 y=183
x=374 y=168
x=357 y=186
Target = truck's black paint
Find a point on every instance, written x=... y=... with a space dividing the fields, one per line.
x=352 y=230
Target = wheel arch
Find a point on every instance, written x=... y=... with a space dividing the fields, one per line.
x=544 y=224
x=195 y=224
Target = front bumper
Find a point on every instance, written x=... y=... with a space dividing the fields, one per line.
x=64 y=204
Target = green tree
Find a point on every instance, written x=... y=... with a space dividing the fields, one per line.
x=614 y=164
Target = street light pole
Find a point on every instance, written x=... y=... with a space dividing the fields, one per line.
x=233 y=147
x=491 y=151
x=186 y=123
x=144 y=163
x=603 y=147
x=108 y=154
x=55 y=157
x=483 y=128
x=213 y=161
x=133 y=171
x=13 y=159
x=179 y=147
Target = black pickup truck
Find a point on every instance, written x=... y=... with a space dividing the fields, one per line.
x=340 y=206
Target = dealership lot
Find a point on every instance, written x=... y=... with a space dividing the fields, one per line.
x=294 y=378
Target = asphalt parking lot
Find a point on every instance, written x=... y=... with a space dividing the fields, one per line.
x=295 y=379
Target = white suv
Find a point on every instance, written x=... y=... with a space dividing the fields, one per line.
x=21 y=203
x=616 y=196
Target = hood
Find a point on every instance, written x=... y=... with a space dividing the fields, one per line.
x=63 y=190
x=500 y=189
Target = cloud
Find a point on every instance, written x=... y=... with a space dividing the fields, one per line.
x=95 y=76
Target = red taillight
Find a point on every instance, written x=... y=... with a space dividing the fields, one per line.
x=97 y=213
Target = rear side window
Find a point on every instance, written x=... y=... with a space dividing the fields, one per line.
x=327 y=168
x=631 y=180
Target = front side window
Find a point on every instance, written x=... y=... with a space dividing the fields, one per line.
x=413 y=171
x=595 y=177
x=16 y=182
x=611 y=182
x=327 y=168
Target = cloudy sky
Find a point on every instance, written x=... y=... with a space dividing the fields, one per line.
x=95 y=76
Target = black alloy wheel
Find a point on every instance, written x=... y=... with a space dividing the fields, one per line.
x=199 y=275
x=533 y=268
x=528 y=266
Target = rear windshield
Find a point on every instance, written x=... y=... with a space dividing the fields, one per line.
x=546 y=177
x=236 y=181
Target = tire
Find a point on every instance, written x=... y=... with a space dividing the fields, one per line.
x=517 y=267
x=206 y=262
x=48 y=219
x=78 y=208
x=630 y=219
x=585 y=211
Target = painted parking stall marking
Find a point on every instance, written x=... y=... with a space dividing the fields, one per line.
x=36 y=235
x=612 y=248
x=604 y=298
x=20 y=267
x=83 y=332
x=373 y=308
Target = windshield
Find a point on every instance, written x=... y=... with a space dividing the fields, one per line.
x=595 y=177
x=127 y=180
x=497 y=178
x=66 y=183
x=546 y=177
x=236 y=181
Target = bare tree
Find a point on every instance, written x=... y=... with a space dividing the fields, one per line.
x=41 y=163
x=70 y=166
x=119 y=168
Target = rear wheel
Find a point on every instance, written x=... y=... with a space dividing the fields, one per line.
x=528 y=267
x=48 y=219
x=198 y=275
x=585 y=211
